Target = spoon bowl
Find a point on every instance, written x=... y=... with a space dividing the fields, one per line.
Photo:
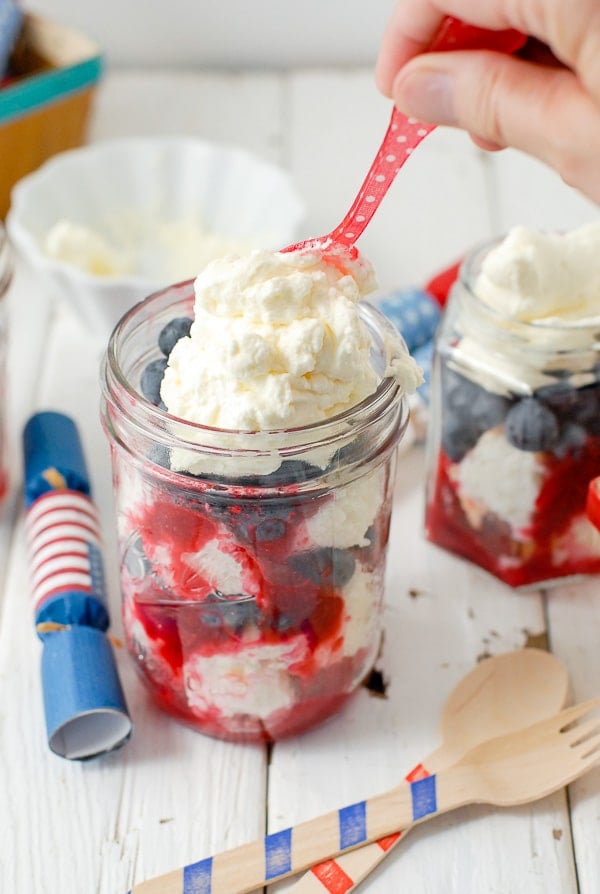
x=501 y=694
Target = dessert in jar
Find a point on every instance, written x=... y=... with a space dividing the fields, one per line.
x=253 y=417
x=514 y=436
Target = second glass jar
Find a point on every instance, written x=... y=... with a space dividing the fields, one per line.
x=514 y=439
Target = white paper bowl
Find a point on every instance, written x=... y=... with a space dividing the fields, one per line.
x=149 y=198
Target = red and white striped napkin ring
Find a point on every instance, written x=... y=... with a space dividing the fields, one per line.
x=64 y=546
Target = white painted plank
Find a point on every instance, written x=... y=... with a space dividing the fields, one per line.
x=235 y=108
x=527 y=192
x=574 y=618
x=227 y=34
x=442 y=614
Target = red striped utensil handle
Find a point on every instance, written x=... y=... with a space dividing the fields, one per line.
x=500 y=695
x=342 y=875
x=250 y=866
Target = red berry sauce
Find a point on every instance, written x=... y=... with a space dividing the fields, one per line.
x=241 y=624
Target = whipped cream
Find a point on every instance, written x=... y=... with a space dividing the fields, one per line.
x=521 y=475
x=345 y=520
x=277 y=342
x=160 y=250
x=83 y=248
x=535 y=276
x=254 y=680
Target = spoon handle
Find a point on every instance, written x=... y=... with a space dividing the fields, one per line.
x=341 y=875
x=404 y=134
x=250 y=866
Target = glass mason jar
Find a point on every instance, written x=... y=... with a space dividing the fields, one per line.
x=6 y=275
x=514 y=439
x=252 y=589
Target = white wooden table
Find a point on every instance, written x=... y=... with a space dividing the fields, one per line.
x=172 y=796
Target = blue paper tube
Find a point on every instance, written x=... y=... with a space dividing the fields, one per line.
x=53 y=456
x=85 y=708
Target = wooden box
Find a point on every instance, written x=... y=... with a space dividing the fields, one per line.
x=46 y=102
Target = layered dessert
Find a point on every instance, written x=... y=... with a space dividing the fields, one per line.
x=516 y=437
x=254 y=529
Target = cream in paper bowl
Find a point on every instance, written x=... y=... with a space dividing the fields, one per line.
x=110 y=223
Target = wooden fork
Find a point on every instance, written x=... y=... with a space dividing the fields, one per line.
x=508 y=770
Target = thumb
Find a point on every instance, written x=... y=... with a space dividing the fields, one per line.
x=504 y=101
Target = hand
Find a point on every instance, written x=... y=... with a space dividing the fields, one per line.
x=545 y=101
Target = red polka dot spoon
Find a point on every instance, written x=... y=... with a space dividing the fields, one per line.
x=401 y=139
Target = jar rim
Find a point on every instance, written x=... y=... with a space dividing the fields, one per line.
x=163 y=426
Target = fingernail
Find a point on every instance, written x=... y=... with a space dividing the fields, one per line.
x=427 y=95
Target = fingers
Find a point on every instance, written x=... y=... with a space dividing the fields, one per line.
x=504 y=101
x=572 y=30
x=414 y=23
x=409 y=32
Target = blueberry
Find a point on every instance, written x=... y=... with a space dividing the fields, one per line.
x=559 y=396
x=284 y=622
x=262 y=524
x=571 y=440
x=270 y=529
x=256 y=521
x=586 y=408
x=211 y=617
x=459 y=435
x=371 y=535
x=234 y=612
x=531 y=425
x=348 y=453
x=237 y=615
x=469 y=411
x=151 y=380
x=488 y=409
x=328 y=565
x=170 y=334
x=569 y=403
x=159 y=455
x=291 y=471
x=459 y=393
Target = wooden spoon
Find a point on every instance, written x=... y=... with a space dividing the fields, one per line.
x=501 y=694
x=517 y=768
